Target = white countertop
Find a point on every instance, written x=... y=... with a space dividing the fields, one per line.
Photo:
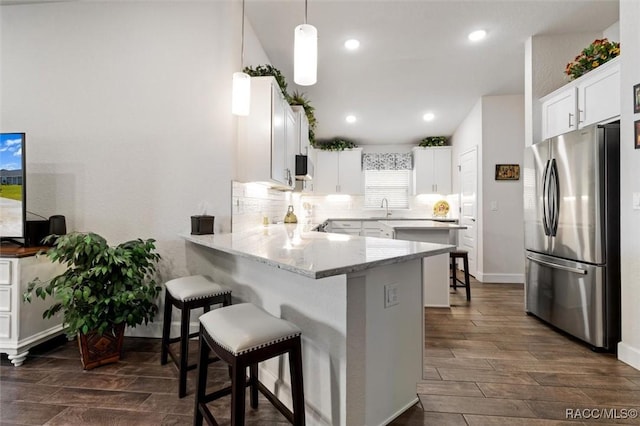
x=421 y=225
x=316 y=254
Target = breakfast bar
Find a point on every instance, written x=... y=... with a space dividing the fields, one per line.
x=357 y=301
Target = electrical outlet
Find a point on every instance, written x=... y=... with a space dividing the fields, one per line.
x=390 y=295
x=636 y=200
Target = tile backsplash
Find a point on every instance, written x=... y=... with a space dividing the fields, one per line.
x=253 y=202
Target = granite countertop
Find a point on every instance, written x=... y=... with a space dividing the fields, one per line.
x=420 y=225
x=297 y=249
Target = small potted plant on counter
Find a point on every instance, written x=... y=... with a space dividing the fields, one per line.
x=103 y=290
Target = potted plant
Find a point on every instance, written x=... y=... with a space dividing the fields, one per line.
x=103 y=289
x=591 y=57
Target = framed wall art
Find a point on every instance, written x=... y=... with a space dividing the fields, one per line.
x=636 y=98
x=636 y=134
x=507 y=171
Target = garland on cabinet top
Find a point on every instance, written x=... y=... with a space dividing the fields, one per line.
x=336 y=144
x=296 y=99
x=591 y=57
x=433 y=141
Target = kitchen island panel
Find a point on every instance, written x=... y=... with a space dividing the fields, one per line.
x=361 y=360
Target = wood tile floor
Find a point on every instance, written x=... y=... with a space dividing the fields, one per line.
x=486 y=363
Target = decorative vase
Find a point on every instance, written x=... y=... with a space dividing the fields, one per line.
x=97 y=350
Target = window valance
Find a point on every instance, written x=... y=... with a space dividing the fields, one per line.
x=386 y=161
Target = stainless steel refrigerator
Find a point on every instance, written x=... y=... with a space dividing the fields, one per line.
x=572 y=233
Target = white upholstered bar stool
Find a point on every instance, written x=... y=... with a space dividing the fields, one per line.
x=187 y=293
x=243 y=335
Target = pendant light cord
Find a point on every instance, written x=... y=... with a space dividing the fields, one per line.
x=305 y=12
x=242 y=41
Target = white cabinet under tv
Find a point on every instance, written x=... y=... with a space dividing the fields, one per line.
x=21 y=323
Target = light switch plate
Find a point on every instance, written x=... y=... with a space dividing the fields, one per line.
x=494 y=206
x=390 y=295
x=636 y=200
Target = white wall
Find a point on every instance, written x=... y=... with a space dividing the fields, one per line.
x=629 y=348
x=126 y=107
x=467 y=136
x=503 y=229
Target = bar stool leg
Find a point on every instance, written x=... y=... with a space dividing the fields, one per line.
x=465 y=260
x=454 y=279
x=238 y=384
x=253 y=375
x=297 y=385
x=201 y=385
x=166 y=327
x=184 y=350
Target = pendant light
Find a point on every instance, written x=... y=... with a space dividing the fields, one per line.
x=241 y=89
x=305 y=53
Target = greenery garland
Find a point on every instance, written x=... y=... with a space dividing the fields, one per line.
x=433 y=141
x=592 y=56
x=336 y=144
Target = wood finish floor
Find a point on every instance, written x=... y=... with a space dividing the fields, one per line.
x=486 y=363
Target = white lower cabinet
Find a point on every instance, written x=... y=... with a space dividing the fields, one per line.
x=350 y=227
x=21 y=324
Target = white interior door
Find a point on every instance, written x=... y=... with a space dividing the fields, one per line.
x=468 y=161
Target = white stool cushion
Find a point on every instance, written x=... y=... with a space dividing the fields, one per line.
x=194 y=287
x=244 y=328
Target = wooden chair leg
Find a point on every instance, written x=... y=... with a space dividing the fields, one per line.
x=166 y=328
x=201 y=385
x=253 y=375
x=184 y=350
x=238 y=384
x=466 y=277
x=297 y=385
x=454 y=279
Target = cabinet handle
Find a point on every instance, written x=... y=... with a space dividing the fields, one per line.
x=570 y=116
x=580 y=112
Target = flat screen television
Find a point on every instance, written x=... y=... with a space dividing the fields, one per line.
x=13 y=208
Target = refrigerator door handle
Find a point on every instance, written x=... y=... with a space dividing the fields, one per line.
x=545 y=200
x=556 y=266
x=554 y=192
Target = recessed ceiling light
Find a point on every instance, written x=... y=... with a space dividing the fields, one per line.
x=350 y=118
x=477 y=35
x=352 y=44
x=428 y=116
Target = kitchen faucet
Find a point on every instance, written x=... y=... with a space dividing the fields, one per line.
x=385 y=203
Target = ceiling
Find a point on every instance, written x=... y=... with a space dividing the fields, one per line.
x=414 y=57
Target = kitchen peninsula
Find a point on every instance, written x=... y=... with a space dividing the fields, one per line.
x=357 y=301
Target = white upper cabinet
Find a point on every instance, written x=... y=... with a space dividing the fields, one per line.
x=338 y=172
x=432 y=170
x=590 y=99
x=302 y=129
x=267 y=141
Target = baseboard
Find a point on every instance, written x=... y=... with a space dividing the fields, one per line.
x=401 y=411
x=629 y=355
x=429 y=305
x=500 y=278
x=154 y=330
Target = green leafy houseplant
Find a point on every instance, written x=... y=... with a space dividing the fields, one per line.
x=301 y=99
x=592 y=56
x=433 y=141
x=103 y=287
x=336 y=144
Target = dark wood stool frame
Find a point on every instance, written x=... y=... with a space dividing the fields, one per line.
x=238 y=365
x=185 y=317
x=459 y=254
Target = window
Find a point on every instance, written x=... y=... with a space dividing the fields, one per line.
x=390 y=184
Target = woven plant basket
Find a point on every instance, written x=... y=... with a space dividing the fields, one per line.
x=97 y=350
